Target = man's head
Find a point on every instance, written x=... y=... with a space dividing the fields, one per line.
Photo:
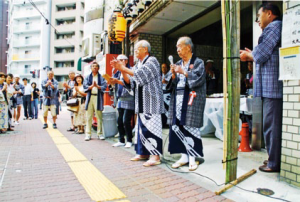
x=267 y=12
x=164 y=68
x=25 y=81
x=123 y=59
x=209 y=64
x=17 y=78
x=142 y=49
x=71 y=75
x=250 y=66
x=184 y=46
x=95 y=67
x=50 y=75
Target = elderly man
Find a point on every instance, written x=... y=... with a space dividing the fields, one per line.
x=187 y=104
x=18 y=95
x=68 y=90
x=145 y=79
x=125 y=106
x=267 y=85
x=49 y=87
x=94 y=85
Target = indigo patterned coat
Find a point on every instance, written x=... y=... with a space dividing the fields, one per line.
x=88 y=81
x=147 y=87
x=196 y=81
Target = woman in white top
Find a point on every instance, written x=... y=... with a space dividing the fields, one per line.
x=78 y=92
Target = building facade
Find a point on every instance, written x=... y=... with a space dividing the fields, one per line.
x=66 y=38
x=28 y=39
x=3 y=40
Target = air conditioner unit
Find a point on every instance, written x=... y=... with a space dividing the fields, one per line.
x=91 y=45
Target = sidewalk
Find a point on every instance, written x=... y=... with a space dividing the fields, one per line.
x=33 y=169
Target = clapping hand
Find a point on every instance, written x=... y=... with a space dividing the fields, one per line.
x=117 y=64
x=246 y=55
x=113 y=80
x=76 y=88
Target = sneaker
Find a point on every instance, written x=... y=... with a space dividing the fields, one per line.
x=87 y=137
x=54 y=126
x=17 y=123
x=128 y=144
x=24 y=118
x=30 y=118
x=118 y=144
x=45 y=126
x=101 y=137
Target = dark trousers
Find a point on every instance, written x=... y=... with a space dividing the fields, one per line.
x=27 y=106
x=272 y=128
x=124 y=124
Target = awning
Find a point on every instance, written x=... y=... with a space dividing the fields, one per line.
x=79 y=65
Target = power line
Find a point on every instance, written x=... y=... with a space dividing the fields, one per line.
x=48 y=22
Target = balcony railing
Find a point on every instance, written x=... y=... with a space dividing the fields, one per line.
x=26 y=14
x=17 y=2
x=27 y=28
x=20 y=57
x=31 y=42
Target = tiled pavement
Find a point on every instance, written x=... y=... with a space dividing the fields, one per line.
x=36 y=171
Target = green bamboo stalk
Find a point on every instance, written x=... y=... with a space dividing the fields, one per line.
x=233 y=75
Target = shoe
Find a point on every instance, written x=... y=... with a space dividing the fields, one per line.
x=35 y=117
x=193 y=167
x=101 y=137
x=10 y=129
x=54 y=126
x=24 y=118
x=30 y=118
x=17 y=123
x=118 y=144
x=117 y=135
x=128 y=144
x=87 y=137
x=71 y=129
x=45 y=126
x=266 y=162
x=265 y=168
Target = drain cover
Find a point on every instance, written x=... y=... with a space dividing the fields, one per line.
x=265 y=191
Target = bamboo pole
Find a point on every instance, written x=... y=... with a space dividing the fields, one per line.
x=224 y=84
x=235 y=182
x=233 y=70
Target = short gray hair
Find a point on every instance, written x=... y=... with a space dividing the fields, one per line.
x=144 y=44
x=187 y=41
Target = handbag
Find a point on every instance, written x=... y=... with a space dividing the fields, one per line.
x=73 y=102
x=73 y=108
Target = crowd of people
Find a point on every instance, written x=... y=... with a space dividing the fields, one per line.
x=147 y=99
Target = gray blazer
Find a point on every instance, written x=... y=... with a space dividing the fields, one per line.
x=195 y=82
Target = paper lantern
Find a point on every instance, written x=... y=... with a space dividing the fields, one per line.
x=117 y=27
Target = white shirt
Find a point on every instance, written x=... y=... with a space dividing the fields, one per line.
x=140 y=63
x=95 y=89
x=182 y=77
x=28 y=89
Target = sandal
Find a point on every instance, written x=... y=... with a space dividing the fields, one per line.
x=179 y=164
x=194 y=167
x=151 y=163
x=139 y=158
